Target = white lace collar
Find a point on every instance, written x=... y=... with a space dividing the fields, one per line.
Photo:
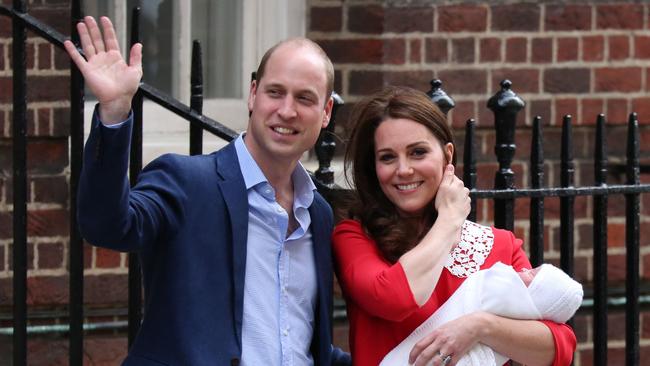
x=474 y=246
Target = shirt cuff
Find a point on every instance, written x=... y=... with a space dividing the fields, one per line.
x=114 y=125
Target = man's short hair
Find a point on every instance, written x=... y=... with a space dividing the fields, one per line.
x=301 y=42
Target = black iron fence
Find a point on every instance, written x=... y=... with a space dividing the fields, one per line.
x=505 y=104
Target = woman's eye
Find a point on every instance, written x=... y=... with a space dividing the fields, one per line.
x=419 y=152
x=385 y=157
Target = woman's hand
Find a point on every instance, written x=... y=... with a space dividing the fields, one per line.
x=454 y=338
x=452 y=200
x=108 y=76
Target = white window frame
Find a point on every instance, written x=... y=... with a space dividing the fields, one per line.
x=265 y=23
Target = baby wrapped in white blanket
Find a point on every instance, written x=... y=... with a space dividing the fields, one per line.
x=551 y=295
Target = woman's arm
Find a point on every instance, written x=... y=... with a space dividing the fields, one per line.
x=529 y=342
x=423 y=264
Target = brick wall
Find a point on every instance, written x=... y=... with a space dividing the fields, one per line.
x=48 y=202
x=580 y=58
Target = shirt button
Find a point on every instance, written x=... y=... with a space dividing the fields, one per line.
x=280 y=209
x=286 y=332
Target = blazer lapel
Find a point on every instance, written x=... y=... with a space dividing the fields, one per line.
x=234 y=194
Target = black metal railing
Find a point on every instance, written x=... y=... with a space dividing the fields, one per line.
x=505 y=104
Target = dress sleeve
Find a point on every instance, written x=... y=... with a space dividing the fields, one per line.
x=565 y=342
x=563 y=336
x=378 y=287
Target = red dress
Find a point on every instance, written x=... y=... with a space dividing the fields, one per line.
x=381 y=308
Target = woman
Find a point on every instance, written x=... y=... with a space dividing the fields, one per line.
x=407 y=247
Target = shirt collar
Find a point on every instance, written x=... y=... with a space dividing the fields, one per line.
x=302 y=184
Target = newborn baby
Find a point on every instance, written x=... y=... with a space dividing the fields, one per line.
x=545 y=292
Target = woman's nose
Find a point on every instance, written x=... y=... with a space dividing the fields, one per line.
x=404 y=168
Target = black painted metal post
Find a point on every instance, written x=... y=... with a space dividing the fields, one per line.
x=600 y=246
x=506 y=105
x=76 y=254
x=469 y=163
x=632 y=236
x=326 y=146
x=567 y=172
x=196 y=98
x=19 y=147
x=537 y=203
x=439 y=97
x=135 y=165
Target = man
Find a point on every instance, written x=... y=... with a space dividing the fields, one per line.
x=234 y=245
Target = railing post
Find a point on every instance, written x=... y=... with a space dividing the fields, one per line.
x=567 y=172
x=135 y=166
x=537 y=204
x=632 y=236
x=506 y=105
x=326 y=146
x=76 y=253
x=439 y=97
x=600 y=246
x=469 y=164
x=196 y=98
x=19 y=142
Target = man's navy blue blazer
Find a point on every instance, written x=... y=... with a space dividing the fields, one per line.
x=187 y=218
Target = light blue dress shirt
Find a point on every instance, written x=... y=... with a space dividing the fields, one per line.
x=280 y=283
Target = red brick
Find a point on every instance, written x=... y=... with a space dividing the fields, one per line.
x=106 y=289
x=619 y=16
x=61 y=122
x=460 y=18
x=642 y=47
x=591 y=108
x=564 y=107
x=461 y=113
x=617 y=111
x=394 y=51
x=541 y=108
x=615 y=235
x=462 y=50
x=542 y=50
x=462 y=81
x=46 y=222
x=619 y=47
x=99 y=350
x=106 y=258
x=420 y=19
x=593 y=48
x=57 y=17
x=416 y=79
x=516 y=49
x=366 y=19
x=325 y=19
x=523 y=80
x=354 y=50
x=30 y=55
x=621 y=79
x=5 y=26
x=47 y=290
x=2 y=57
x=2 y=257
x=48 y=88
x=44 y=56
x=567 y=80
x=615 y=324
x=567 y=49
x=642 y=107
x=567 y=17
x=50 y=189
x=50 y=255
x=647 y=79
x=31 y=122
x=415 y=47
x=61 y=59
x=490 y=50
x=365 y=82
x=516 y=17
x=47 y=156
x=436 y=50
x=646 y=276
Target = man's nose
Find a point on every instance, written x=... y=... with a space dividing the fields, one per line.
x=288 y=108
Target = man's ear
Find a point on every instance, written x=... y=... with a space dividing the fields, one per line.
x=328 y=112
x=251 y=95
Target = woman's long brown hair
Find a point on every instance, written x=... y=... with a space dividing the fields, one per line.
x=378 y=215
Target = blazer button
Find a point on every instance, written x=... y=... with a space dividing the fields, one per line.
x=234 y=362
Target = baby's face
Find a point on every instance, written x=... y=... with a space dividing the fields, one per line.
x=527 y=275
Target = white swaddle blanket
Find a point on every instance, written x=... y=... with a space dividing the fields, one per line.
x=499 y=290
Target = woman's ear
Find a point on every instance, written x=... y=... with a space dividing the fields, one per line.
x=448 y=149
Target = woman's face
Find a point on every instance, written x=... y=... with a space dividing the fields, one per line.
x=409 y=161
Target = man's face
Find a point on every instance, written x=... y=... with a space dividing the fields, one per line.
x=288 y=106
